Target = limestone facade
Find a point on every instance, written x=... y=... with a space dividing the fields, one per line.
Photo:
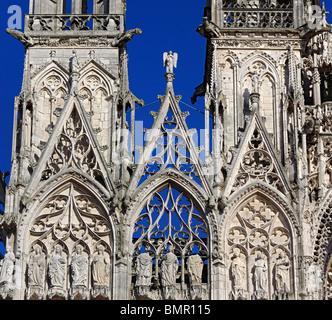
x=247 y=218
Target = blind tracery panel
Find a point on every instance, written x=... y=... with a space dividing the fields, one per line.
x=260 y=252
x=70 y=248
x=172 y=239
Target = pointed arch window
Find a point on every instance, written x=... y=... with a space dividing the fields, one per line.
x=171 y=223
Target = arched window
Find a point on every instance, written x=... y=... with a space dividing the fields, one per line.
x=170 y=248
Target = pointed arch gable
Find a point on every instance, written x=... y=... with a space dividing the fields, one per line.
x=49 y=68
x=72 y=144
x=169 y=144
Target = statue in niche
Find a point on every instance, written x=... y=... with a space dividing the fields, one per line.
x=74 y=64
x=100 y=272
x=238 y=270
x=79 y=268
x=282 y=267
x=170 y=61
x=195 y=268
x=143 y=270
x=7 y=268
x=36 y=268
x=255 y=82
x=169 y=268
x=57 y=268
x=260 y=269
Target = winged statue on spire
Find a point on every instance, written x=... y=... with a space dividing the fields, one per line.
x=170 y=61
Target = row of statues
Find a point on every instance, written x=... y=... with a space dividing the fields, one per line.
x=169 y=269
x=260 y=274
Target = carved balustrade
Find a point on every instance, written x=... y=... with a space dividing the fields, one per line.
x=73 y=22
x=257 y=16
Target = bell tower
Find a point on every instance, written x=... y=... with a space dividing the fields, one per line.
x=267 y=78
x=72 y=123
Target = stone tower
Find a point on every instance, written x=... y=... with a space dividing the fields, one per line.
x=74 y=105
x=249 y=218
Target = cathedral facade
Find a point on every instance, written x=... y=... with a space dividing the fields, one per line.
x=248 y=217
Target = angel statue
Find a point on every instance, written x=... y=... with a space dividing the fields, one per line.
x=170 y=61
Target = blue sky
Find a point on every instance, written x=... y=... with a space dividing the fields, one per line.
x=166 y=26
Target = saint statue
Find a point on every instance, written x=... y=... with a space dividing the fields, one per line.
x=169 y=268
x=143 y=270
x=36 y=268
x=100 y=265
x=260 y=273
x=79 y=268
x=195 y=268
x=170 y=61
x=7 y=267
x=57 y=268
x=255 y=82
x=238 y=270
x=281 y=271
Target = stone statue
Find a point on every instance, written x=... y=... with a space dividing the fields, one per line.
x=260 y=273
x=79 y=268
x=57 y=268
x=36 y=268
x=238 y=271
x=74 y=64
x=169 y=268
x=7 y=268
x=281 y=272
x=195 y=268
x=255 y=82
x=143 y=270
x=170 y=61
x=100 y=273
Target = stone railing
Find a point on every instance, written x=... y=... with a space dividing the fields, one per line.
x=238 y=17
x=68 y=22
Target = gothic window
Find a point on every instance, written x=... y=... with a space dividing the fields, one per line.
x=70 y=247
x=260 y=252
x=171 y=237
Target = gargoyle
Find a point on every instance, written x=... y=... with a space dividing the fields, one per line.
x=125 y=37
x=208 y=29
x=20 y=36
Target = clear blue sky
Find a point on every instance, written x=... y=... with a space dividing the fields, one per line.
x=166 y=26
